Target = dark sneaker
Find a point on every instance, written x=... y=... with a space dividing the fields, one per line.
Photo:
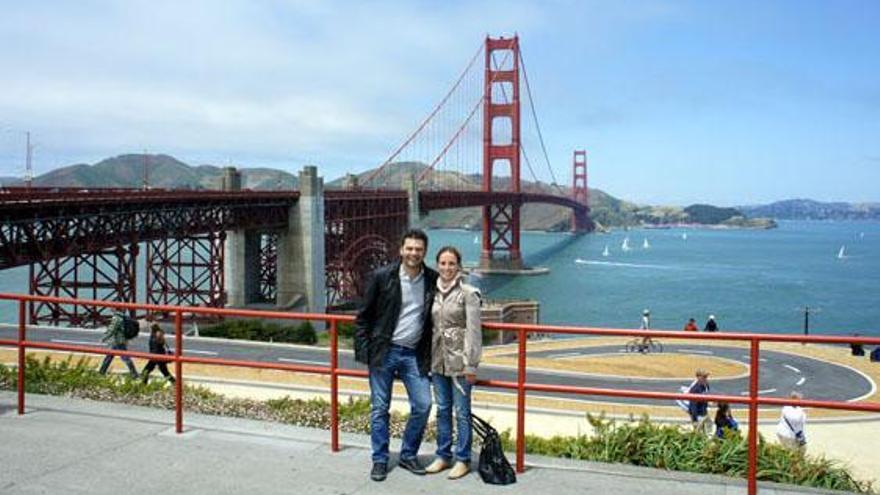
x=379 y=472
x=412 y=465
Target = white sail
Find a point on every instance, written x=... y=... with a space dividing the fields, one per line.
x=645 y=244
x=625 y=245
x=842 y=253
x=606 y=253
x=684 y=236
x=476 y=239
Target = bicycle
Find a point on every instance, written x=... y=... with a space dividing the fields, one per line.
x=644 y=345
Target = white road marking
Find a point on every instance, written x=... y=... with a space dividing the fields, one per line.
x=760 y=360
x=792 y=368
x=302 y=361
x=694 y=351
x=564 y=355
x=801 y=381
x=81 y=342
x=194 y=351
x=767 y=391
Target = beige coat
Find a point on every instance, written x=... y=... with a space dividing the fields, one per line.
x=458 y=337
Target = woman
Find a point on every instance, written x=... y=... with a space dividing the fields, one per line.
x=157 y=346
x=724 y=420
x=455 y=355
x=790 y=429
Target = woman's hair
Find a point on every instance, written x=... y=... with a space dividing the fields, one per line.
x=155 y=328
x=796 y=395
x=450 y=249
x=721 y=414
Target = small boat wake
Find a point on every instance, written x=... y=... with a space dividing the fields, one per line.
x=613 y=263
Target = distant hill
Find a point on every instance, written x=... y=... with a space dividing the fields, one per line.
x=164 y=172
x=607 y=211
x=808 y=209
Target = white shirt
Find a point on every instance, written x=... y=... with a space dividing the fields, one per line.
x=796 y=416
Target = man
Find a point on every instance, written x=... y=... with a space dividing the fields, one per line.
x=646 y=325
x=115 y=336
x=711 y=326
x=699 y=409
x=393 y=338
x=691 y=326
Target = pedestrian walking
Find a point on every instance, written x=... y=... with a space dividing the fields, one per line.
x=117 y=336
x=393 y=338
x=157 y=346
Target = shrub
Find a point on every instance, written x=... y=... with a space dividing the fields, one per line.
x=261 y=331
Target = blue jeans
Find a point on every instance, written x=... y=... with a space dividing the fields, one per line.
x=452 y=391
x=400 y=361
x=125 y=359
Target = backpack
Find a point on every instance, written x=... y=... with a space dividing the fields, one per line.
x=130 y=327
x=493 y=466
x=875 y=354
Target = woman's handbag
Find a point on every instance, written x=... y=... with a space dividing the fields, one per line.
x=493 y=466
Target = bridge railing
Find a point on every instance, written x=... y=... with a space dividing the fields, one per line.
x=521 y=386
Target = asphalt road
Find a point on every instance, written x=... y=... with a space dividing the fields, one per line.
x=780 y=373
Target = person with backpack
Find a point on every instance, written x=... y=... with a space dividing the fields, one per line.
x=790 y=429
x=157 y=346
x=121 y=329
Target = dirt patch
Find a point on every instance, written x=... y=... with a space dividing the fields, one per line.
x=661 y=366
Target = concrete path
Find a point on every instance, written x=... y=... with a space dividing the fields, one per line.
x=75 y=446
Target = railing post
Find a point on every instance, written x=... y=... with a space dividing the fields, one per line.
x=21 y=360
x=521 y=403
x=334 y=388
x=753 y=417
x=178 y=371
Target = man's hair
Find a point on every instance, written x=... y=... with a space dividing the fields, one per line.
x=418 y=234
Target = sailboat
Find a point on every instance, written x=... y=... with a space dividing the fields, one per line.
x=842 y=253
x=606 y=253
x=645 y=244
x=625 y=245
x=476 y=239
x=684 y=236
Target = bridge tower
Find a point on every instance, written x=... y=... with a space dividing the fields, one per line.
x=580 y=222
x=501 y=110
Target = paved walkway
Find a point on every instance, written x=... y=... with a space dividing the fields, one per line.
x=75 y=446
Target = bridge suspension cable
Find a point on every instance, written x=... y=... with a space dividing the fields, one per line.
x=428 y=119
x=522 y=63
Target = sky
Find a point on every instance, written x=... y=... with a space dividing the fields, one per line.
x=676 y=102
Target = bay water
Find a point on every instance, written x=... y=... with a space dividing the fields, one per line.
x=751 y=280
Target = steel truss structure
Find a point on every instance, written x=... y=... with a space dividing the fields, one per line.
x=269 y=266
x=362 y=231
x=186 y=271
x=108 y=275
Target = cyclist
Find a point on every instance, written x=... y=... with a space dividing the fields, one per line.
x=646 y=325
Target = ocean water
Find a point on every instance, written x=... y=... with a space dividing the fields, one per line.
x=750 y=280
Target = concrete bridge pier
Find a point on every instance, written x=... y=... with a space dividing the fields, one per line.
x=300 y=279
x=412 y=192
x=241 y=264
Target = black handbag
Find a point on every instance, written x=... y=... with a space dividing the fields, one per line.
x=493 y=466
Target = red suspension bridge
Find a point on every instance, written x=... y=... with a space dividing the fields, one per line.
x=308 y=248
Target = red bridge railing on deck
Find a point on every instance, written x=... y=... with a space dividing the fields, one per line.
x=521 y=385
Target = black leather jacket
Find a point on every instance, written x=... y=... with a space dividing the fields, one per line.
x=378 y=314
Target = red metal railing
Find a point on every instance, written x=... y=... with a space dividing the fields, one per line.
x=521 y=386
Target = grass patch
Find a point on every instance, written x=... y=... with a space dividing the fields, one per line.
x=304 y=333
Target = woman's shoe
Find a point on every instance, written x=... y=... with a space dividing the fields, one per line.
x=438 y=465
x=459 y=470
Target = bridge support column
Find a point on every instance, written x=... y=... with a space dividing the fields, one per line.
x=580 y=219
x=301 y=257
x=412 y=192
x=241 y=263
